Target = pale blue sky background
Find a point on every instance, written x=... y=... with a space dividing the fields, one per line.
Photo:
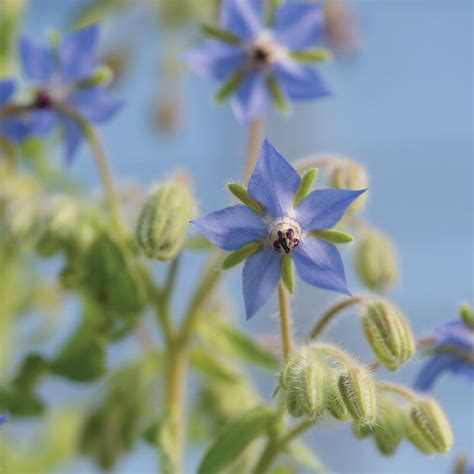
x=404 y=108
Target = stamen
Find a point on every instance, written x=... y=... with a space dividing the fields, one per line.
x=284 y=234
x=43 y=100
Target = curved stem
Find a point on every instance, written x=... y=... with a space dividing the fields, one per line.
x=333 y=311
x=285 y=321
x=401 y=390
x=336 y=353
x=254 y=144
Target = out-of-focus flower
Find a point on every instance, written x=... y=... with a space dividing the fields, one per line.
x=452 y=351
x=260 y=59
x=67 y=77
x=12 y=128
x=3 y=418
x=278 y=223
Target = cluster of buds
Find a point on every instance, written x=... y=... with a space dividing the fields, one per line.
x=388 y=333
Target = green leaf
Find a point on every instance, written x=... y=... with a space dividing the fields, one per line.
x=235 y=438
x=335 y=236
x=240 y=255
x=229 y=86
x=288 y=273
x=219 y=33
x=212 y=366
x=278 y=95
x=240 y=192
x=312 y=55
x=305 y=186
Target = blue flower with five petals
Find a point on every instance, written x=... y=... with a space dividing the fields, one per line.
x=12 y=127
x=260 y=61
x=452 y=351
x=63 y=77
x=282 y=228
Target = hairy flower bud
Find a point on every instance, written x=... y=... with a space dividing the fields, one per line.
x=162 y=224
x=335 y=405
x=351 y=175
x=376 y=261
x=389 y=428
x=388 y=333
x=357 y=388
x=428 y=428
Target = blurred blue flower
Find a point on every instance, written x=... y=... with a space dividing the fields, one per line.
x=12 y=127
x=261 y=54
x=3 y=418
x=452 y=351
x=282 y=229
x=64 y=78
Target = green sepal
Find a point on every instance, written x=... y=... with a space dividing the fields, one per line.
x=467 y=315
x=306 y=182
x=278 y=96
x=220 y=34
x=240 y=192
x=229 y=86
x=288 y=273
x=240 y=255
x=333 y=235
x=312 y=55
x=272 y=7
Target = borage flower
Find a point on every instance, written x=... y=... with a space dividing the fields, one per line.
x=452 y=351
x=261 y=58
x=281 y=221
x=3 y=418
x=67 y=78
x=12 y=128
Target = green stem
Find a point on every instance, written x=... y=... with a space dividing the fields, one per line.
x=400 y=390
x=333 y=311
x=287 y=340
x=254 y=144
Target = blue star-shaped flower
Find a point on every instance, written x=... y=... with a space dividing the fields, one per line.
x=453 y=351
x=63 y=79
x=3 y=418
x=12 y=128
x=261 y=57
x=281 y=229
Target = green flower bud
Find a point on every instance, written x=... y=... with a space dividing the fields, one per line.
x=388 y=333
x=389 y=428
x=361 y=431
x=357 y=388
x=428 y=428
x=162 y=224
x=292 y=370
x=335 y=405
x=376 y=261
x=310 y=389
x=351 y=175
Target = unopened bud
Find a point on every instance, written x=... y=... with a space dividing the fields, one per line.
x=357 y=388
x=389 y=428
x=428 y=428
x=388 y=333
x=335 y=405
x=351 y=175
x=376 y=261
x=361 y=431
x=162 y=224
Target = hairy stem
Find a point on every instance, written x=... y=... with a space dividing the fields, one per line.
x=285 y=321
x=254 y=143
x=333 y=311
x=398 y=389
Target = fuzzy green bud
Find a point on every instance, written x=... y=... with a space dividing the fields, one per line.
x=335 y=405
x=389 y=428
x=357 y=388
x=428 y=428
x=310 y=389
x=376 y=260
x=388 y=333
x=163 y=221
x=361 y=431
x=351 y=175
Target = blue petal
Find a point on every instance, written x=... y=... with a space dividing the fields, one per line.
x=38 y=63
x=77 y=53
x=214 y=59
x=242 y=17
x=95 y=104
x=320 y=264
x=298 y=25
x=433 y=368
x=260 y=277
x=251 y=98
x=324 y=208
x=7 y=88
x=300 y=82
x=43 y=121
x=15 y=129
x=3 y=418
x=274 y=182
x=232 y=227
x=72 y=137
x=455 y=333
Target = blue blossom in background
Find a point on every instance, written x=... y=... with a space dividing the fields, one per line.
x=64 y=79
x=12 y=127
x=260 y=62
x=3 y=418
x=282 y=229
x=452 y=351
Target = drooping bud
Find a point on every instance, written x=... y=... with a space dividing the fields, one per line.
x=361 y=431
x=376 y=261
x=335 y=405
x=428 y=428
x=350 y=175
x=388 y=333
x=389 y=428
x=358 y=391
x=162 y=224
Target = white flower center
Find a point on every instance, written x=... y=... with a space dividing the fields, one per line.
x=284 y=235
x=264 y=51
